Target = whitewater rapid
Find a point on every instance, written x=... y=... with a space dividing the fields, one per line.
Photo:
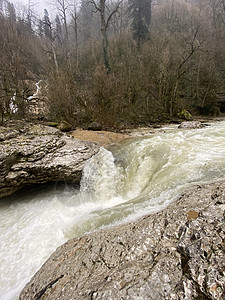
x=139 y=176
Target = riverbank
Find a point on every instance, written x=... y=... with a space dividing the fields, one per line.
x=105 y=137
x=177 y=253
x=137 y=177
x=35 y=154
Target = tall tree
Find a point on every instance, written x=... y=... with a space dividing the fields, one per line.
x=58 y=29
x=11 y=12
x=62 y=7
x=140 y=12
x=40 y=28
x=46 y=24
x=48 y=31
x=105 y=16
x=75 y=27
x=30 y=14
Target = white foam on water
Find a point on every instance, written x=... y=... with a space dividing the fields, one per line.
x=139 y=176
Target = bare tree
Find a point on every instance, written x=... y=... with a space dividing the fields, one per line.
x=105 y=15
x=48 y=30
x=62 y=7
x=75 y=27
x=194 y=45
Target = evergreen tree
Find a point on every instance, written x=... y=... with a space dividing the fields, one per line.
x=11 y=12
x=58 y=29
x=40 y=27
x=47 y=24
x=140 y=12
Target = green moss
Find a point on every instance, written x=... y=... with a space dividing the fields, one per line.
x=64 y=126
x=53 y=124
x=184 y=114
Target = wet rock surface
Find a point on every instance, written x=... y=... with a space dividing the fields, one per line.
x=191 y=125
x=31 y=154
x=177 y=253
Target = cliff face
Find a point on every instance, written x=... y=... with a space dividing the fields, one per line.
x=36 y=154
x=178 y=253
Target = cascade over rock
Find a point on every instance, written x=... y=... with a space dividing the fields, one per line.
x=31 y=154
x=177 y=253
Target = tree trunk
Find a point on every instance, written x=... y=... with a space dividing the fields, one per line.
x=54 y=57
x=105 y=49
x=104 y=35
x=101 y=7
x=74 y=16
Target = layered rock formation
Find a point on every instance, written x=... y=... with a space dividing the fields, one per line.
x=32 y=153
x=177 y=253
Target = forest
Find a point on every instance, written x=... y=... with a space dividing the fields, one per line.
x=114 y=62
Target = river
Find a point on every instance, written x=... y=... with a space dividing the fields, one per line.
x=139 y=176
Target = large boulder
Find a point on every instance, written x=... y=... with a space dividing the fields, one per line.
x=31 y=154
x=177 y=253
x=191 y=125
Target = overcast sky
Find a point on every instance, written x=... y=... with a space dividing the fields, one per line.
x=38 y=5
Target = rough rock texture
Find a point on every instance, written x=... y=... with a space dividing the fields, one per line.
x=95 y=126
x=178 y=253
x=37 y=154
x=191 y=125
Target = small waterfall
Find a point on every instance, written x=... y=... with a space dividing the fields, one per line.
x=137 y=177
x=13 y=105
x=36 y=93
x=100 y=178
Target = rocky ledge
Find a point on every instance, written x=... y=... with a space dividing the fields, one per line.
x=31 y=154
x=177 y=253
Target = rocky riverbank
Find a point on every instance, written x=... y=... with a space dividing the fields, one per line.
x=106 y=138
x=34 y=153
x=177 y=253
x=103 y=138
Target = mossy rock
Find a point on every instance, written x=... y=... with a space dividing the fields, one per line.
x=53 y=124
x=184 y=114
x=64 y=126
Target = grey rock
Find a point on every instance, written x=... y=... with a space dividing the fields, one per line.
x=177 y=253
x=33 y=154
x=95 y=126
x=191 y=125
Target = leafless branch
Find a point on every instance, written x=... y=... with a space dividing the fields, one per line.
x=113 y=12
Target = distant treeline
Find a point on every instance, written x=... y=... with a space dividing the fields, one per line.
x=114 y=62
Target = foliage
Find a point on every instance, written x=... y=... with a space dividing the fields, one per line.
x=140 y=12
x=184 y=114
x=180 y=68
